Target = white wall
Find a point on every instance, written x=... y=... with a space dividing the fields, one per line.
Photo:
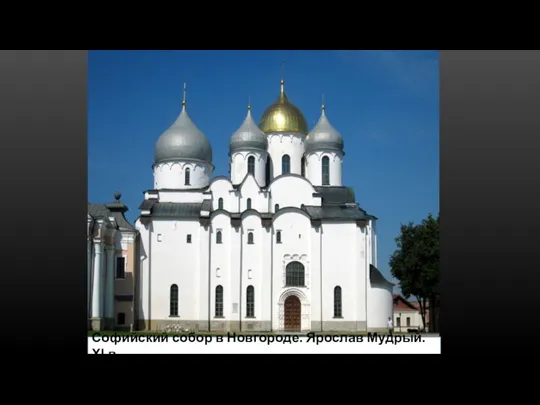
x=291 y=191
x=180 y=196
x=239 y=166
x=415 y=320
x=291 y=144
x=250 y=190
x=252 y=259
x=171 y=175
x=380 y=306
x=174 y=261
x=222 y=188
x=221 y=264
x=295 y=229
x=339 y=268
x=314 y=168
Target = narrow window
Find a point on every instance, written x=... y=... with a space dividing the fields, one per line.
x=250 y=238
x=278 y=237
x=325 y=171
x=249 y=203
x=268 y=173
x=218 y=237
x=220 y=204
x=187 y=177
x=337 y=302
x=219 y=301
x=250 y=302
x=303 y=168
x=188 y=238
x=174 y=300
x=408 y=320
x=285 y=164
x=120 y=267
x=276 y=208
x=251 y=165
x=398 y=322
x=121 y=318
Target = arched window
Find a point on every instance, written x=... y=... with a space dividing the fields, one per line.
x=285 y=164
x=295 y=274
x=325 y=171
x=220 y=204
x=250 y=302
x=303 y=168
x=219 y=301
x=249 y=203
x=187 y=177
x=218 y=237
x=337 y=302
x=268 y=170
x=251 y=165
x=173 y=301
x=276 y=208
x=250 y=238
x=278 y=237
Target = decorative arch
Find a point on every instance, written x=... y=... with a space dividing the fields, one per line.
x=292 y=291
x=305 y=308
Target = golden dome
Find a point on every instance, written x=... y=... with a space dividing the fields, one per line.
x=282 y=116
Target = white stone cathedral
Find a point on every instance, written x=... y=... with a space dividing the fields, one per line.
x=281 y=245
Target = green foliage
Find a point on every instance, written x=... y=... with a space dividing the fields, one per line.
x=415 y=263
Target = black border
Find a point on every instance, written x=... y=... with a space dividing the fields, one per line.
x=44 y=171
x=490 y=121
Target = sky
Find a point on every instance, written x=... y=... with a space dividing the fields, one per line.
x=385 y=104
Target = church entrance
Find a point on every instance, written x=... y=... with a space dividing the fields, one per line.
x=293 y=314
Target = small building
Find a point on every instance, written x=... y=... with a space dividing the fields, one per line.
x=112 y=262
x=407 y=315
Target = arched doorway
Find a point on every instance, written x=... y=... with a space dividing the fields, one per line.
x=293 y=314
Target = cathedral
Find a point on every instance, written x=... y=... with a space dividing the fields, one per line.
x=279 y=246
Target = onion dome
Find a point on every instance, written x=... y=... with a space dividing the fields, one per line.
x=183 y=141
x=324 y=137
x=282 y=116
x=248 y=136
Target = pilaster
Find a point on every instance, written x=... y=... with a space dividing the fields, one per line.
x=109 y=287
x=97 y=293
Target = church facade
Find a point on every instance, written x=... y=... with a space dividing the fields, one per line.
x=281 y=245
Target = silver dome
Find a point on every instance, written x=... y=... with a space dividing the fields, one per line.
x=324 y=137
x=183 y=141
x=248 y=137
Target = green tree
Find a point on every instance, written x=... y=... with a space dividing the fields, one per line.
x=415 y=264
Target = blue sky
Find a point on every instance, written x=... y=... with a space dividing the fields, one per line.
x=384 y=103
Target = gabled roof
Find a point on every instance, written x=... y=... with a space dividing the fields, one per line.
x=404 y=305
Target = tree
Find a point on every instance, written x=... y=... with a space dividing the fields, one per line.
x=415 y=264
